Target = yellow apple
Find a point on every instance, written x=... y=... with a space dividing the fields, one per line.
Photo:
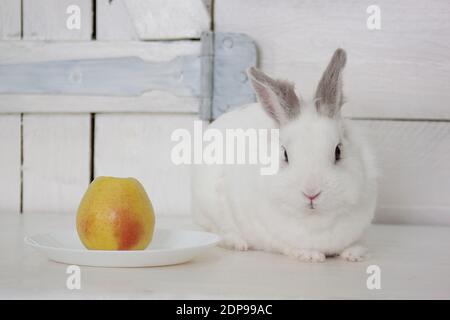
x=115 y=214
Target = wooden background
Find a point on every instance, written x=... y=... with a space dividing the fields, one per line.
x=397 y=84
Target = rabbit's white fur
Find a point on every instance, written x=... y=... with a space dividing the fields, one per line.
x=269 y=212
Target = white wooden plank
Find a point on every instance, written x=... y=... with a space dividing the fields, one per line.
x=56 y=169
x=113 y=21
x=139 y=146
x=151 y=20
x=56 y=148
x=414 y=157
x=9 y=163
x=29 y=51
x=399 y=71
x=414 y=263
x=47 y=19
x=10 y=19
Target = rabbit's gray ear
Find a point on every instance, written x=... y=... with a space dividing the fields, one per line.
x=277 y=97
x=329 y=96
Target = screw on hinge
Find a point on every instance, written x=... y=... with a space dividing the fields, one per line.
x=75 y=76
x=243 y=77
x=228 y=43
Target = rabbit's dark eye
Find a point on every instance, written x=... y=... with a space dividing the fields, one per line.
x=337 y=153
x=285 y=155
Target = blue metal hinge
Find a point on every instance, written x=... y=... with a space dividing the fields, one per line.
x=226 y=57
x=217 y=76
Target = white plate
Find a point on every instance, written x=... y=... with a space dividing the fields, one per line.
x=167 y=247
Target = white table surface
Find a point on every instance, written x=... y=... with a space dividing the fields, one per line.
x=414 y=262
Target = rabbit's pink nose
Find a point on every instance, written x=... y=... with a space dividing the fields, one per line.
x=311 y=196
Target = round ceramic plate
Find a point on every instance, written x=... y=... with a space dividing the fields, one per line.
x=167 y=247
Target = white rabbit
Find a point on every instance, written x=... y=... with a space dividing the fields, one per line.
x=323 y=196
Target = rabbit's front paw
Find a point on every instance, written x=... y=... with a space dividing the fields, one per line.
x=234 y=242
x=355 y=253
x=305 y=255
